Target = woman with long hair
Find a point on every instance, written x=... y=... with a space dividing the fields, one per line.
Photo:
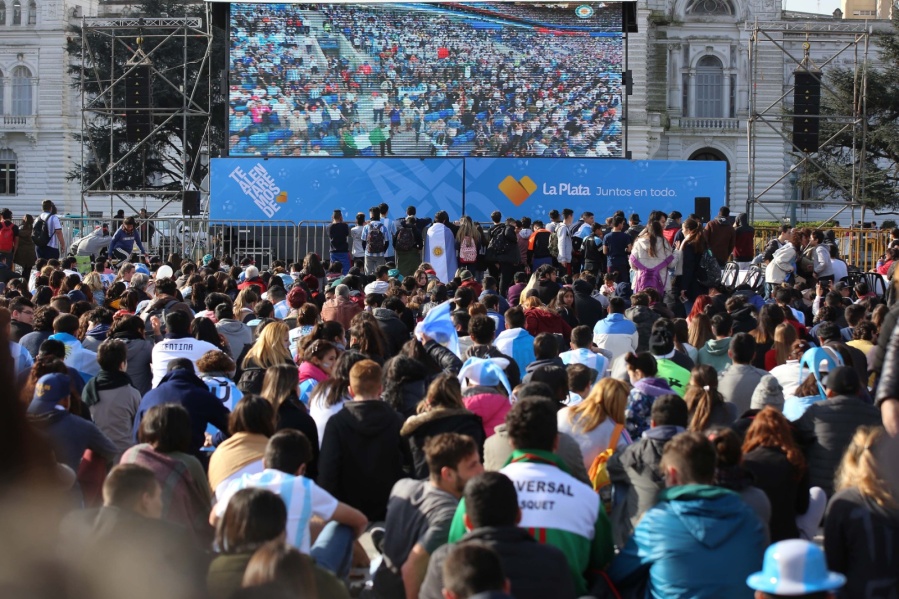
x=405 y=383
x=94 y=284
x=538 y=319
x=650 y=257
x=280 y=388
x=692 y=249
x=308 y=315
x=131 y=330
x=784 y=338
x=203 y=329
x=771 y=454
x=787 y=374
x=783 y=263
x=769 y=317
x=251 y=518
x=367 y=337
x=563 y=305
x=862 y=521
x=469 y=241
x=705 y=404
x=318 y=360
x=441 y=411
x=730 y=473
x=699 y=307
x=328 y=398
x=597 y=422
x=328 y=330
x=251 y=424
x=244 y=304
x=700 y=329
x=124 y=274
x=270 y=348
x=682 y=339
x=164 y=448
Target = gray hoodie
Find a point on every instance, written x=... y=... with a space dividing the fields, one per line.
x=237 y=333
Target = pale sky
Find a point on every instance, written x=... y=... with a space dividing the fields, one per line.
x=824 y=7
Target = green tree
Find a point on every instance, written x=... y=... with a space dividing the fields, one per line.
x=879 y=186
x=103 y=59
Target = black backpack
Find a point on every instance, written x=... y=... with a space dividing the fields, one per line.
x=405 y=239
x=376 y=243
x=577 y=245
x=40 y=234
x=498 y=244
x=156 y=310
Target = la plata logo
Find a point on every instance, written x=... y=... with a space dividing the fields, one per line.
x=517 y=190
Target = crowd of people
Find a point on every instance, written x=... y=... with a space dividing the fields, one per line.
x=423 y=81
x=538 y=409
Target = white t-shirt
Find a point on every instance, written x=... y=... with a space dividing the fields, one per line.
x=594 y=442
x=170 y=349
x=53 y=225
x=302 y=496
x=322 y=413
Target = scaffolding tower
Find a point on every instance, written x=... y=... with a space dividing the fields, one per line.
x=808 y=47
x=111 y=49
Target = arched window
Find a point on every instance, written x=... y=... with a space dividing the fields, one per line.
x=22 y=102
x=7 y=173
x=16 y=12
x=32 y=13
x=714 y=155
x=710 y=7
x=2 y=12
x=709 y=102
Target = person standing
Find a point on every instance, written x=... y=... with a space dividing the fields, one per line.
x=47 y=233
x=440 y=248
x=563 y=233
x=357 y=249
x=616 y=245
x=9 y=237
x=375 y=239
x=25 y=256
x=338 y=233
x=720 y=236
x=822 y=265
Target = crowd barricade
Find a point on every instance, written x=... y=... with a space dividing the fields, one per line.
x=313 y=237
x=860 y=248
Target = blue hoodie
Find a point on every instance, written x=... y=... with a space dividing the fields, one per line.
x=699 y=542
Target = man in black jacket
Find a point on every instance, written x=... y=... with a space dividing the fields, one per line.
x=502 y=250
x=635 y=469
x=388 y=319
x=362 y=453
x=589 y=309
x=534 y=570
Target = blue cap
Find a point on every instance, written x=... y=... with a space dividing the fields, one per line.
x=142 y=269
x=48 y=391
x=793 y=568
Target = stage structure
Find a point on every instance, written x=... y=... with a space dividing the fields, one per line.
x=806 y=49
x=120 y=66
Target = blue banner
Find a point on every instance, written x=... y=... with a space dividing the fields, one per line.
x=304 y=189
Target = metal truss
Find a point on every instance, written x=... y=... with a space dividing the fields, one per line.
x=106 y=74
x=847 y=39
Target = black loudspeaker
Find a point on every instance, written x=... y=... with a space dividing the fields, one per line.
x=190 y=203
x=702 y=207
x=138 y=119
x=806 y=111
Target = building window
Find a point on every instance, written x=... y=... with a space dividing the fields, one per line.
x=21 y=92
x=2 y=12
x=16 y=12
x=709 y=101
x=7 y=173
x=32 y=13
x=710 y=7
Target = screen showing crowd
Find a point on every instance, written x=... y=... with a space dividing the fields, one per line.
x=442 y=79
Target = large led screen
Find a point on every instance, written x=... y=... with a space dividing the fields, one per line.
x=425 y=79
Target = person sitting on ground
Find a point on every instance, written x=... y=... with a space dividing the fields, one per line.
x=737 y=382
x=492 y=515
x=515 y=340
x=583 y=351
x=615 y=333
x=730 y=474
x=362 y=453
x=286 y=455
x=698 y=540
x=112 y=400
x=127 y=540
x=714 y=352
x=419 y=513
x=641 y=371
x=482 y=330
x=250 y=424
x=643 y=318
x=474 y=571
x=573 y=521
x=706 y=405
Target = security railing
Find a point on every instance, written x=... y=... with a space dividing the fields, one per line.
x=860 y=248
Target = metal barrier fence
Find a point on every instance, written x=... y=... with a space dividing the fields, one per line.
x=861 y=248
x=265 y=241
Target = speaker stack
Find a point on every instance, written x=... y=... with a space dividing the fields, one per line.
x=806 y=110
x=138 y=118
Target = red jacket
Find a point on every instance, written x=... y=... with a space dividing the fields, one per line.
x=253 y=283
x=541 y=320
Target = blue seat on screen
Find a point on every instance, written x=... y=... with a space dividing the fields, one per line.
x=259 y=139
x=431 y=117
x=481 y=116
x=329 y=142
x=367 y=152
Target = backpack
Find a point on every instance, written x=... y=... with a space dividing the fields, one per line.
x=376 y=242
x=711 y=269
x=498 y=243
x=7 y=238
x=599 y=473
x=405 y=239
x=40 y=234
x=468 y=251
x=553 y=245
x=577 y=245
x=159 y=311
